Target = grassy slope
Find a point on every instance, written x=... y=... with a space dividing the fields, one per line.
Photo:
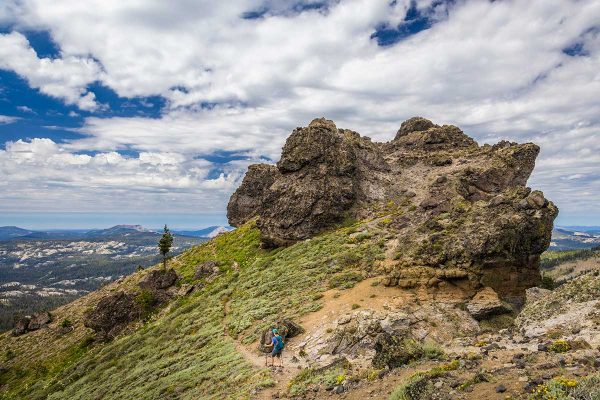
x=187 y=350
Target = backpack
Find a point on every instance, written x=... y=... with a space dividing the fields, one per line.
x=279 y=345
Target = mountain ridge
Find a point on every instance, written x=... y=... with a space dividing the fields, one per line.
x=195 y=329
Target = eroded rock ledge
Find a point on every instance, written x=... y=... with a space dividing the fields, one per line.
x=459 y=213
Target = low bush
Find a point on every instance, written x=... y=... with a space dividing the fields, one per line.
x=559 y=346
x=419 y=386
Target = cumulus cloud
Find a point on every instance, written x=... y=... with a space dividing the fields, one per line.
x=238 y=77
x=45 y=176
x=65 y=78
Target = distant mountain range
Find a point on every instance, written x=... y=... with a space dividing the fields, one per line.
x=14 y=233
x=575 y=237
x=209 y=232
x=44 y=269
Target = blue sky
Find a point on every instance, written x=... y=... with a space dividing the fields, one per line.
x=111 y=112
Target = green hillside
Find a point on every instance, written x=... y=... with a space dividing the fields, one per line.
x=187 y=350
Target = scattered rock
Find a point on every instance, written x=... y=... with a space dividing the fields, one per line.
x=207 y=269
x=500 y=388
x=535 y=293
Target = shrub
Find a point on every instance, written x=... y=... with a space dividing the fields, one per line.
x=419 y=386
x=332 y=375
x=394 y=352
x=560 y=389
x=345 y=280
x=559 y=346
x=66 y=323
x=588 y=388
x=547 y=282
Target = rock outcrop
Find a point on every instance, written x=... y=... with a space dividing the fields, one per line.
x=32 y=323
x=460 y=213
x=113 y=313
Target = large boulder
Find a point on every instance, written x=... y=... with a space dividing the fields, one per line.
x=159 y=286
x=39 y=320
x=159 y=279
x=31 y=323
x=112 y=314
x=452 y=205
x=21 y=326
x=319 y=177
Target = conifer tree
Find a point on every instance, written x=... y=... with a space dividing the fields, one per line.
x=164 y=245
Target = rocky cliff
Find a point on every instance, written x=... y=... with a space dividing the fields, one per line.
x=457 y=213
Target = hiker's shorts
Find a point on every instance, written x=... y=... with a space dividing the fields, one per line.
x=276 y=353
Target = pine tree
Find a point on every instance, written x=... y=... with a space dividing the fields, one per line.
x=164 y=245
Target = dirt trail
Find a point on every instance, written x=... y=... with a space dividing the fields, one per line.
x=368 y=294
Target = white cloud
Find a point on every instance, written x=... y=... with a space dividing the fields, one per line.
x=45 y=176
x=5 y=119
x=496 y=69
x=25 y=109
x=65 y=78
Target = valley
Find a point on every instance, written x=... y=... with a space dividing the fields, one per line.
x=43 y=270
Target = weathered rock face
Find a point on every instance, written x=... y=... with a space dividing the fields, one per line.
x=321 y=175
x=159 y=283
x=460 y=213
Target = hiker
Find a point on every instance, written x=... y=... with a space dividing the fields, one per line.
x=278 y=345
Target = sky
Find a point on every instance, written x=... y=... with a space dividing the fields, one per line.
x=146 y=111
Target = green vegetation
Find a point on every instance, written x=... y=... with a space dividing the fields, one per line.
x=66 y=323
x=547 y=282
x=398 y=352
x=345 y=280
x=181 y=351
x=164 y=245
x=561 y=388
x=559 y=346
x=553 y=258
x=419 y=386
x=478 y=377
x=330 y=376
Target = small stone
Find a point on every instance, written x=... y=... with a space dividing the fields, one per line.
x=339 y=389
x=500 y=388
